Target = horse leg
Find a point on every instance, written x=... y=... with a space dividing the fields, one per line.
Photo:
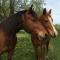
x=37 y=57
x=47 y=50
x=11 y=51
x=36 y=50
x=2 y=50
x=10 y=54
x=42 y=52
x=0 y=57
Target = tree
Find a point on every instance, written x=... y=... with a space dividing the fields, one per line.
x=38 y=6
x=25 y=4
x=8 y=7
x=12 y=7
x=21 y=4
x=4 y=8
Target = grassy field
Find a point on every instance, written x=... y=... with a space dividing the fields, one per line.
x=25 y=51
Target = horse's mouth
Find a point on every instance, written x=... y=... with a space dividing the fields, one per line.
x=45 y=37
x=40 y=38
x=53 y=36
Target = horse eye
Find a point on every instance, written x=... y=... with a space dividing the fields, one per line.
x=46 y=21
x=33 y=20
x=52 y=20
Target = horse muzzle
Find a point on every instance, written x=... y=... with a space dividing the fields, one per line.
x=54 y=35
x=42 y=36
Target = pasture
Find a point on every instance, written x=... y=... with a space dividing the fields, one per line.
x=25 y=50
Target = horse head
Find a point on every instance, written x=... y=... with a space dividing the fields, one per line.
x=32 y=25
x=47 y=20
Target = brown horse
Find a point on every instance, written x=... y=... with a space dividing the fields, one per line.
x=47 y=21
x=26 y=20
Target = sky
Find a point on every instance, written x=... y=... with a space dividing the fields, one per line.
x=55 y=6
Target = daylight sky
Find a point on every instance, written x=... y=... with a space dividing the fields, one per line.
x=55 y=6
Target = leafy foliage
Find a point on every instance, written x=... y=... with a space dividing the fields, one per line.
x=8 y=7
x=4 y=8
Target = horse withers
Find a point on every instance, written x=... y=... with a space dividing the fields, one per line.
x=47 y=22
x=11 y=25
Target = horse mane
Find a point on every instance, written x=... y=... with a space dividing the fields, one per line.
x=20 y=12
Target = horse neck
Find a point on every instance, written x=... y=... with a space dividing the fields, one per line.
x=18 y=19
x=13 y=23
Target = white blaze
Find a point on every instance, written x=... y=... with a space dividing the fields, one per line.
x=41 y=35
x=54 y=29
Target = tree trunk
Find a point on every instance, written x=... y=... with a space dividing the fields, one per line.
x=12 y=7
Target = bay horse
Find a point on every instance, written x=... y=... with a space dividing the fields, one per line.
x=11 y=25
x=46 y=20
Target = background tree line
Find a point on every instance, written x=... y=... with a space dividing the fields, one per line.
x=9 y=7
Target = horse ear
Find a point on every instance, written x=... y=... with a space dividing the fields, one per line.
x=44 y=11
x=29 y=11
x=50 y=11
x=31 y=7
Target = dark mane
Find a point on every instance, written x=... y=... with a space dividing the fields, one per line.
x=21 y=12
x=13 y=23
x=16 y=14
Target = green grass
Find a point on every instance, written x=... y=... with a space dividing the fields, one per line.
x=24 y=49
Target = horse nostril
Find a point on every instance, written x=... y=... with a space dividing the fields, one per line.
x=41 y=38
x=46 y=36
x=54 y=35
